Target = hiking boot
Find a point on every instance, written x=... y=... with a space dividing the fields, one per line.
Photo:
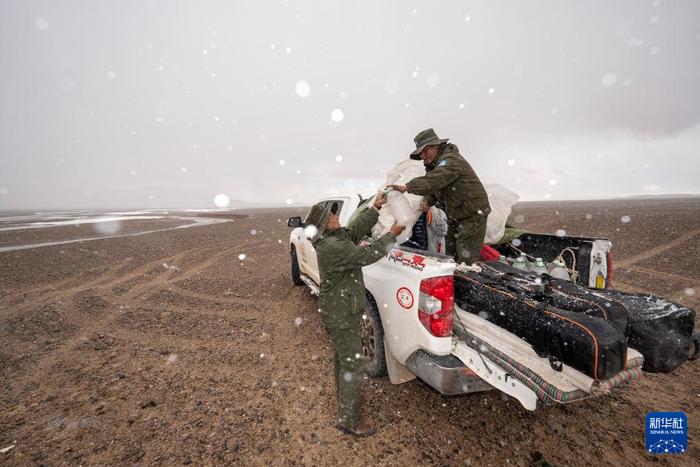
x=361 y=430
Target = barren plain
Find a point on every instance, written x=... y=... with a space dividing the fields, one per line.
x=191 y=346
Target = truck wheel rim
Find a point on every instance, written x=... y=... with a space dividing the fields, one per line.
x=367 y=339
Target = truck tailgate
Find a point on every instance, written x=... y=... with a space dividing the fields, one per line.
x=511 y=365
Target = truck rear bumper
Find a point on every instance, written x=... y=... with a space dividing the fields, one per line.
x=446 y=373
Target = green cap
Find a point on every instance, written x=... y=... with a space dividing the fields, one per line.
x=423 y=139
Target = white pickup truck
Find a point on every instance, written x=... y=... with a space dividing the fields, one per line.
x=412 y=327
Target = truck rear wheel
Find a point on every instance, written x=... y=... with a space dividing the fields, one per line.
x=296 y=273
x=373 y=341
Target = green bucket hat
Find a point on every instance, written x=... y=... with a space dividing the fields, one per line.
x=324 y=217
x=423 y=139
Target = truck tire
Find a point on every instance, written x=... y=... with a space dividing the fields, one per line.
x=296 y=273
x=373 y=341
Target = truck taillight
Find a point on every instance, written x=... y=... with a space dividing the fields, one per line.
x=609 y=259
x=436 y=305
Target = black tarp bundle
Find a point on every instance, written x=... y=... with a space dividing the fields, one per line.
x=658 y=328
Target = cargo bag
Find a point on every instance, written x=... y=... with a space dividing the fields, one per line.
x=562 y=294
x=660 y=329
x=589 y=344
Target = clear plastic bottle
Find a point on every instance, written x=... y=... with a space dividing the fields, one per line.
x=557 y=269
x=539 y=267
x=520 y=263
x=400 y=209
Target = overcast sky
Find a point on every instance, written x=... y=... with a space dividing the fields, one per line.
x=170 y=103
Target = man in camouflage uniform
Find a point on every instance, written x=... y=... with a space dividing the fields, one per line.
x=450 y=180
x=342 y=301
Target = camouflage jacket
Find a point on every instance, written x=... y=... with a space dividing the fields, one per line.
x=342 y=292
x=450 y=180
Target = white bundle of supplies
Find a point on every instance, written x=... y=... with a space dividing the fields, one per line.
x=405 y=207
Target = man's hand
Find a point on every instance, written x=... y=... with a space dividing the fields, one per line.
x=379 y=200
x=396 y=229
x=399 y=188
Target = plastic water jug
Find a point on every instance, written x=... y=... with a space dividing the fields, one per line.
x=400 y=209
x=557 y=269
x=539 y=267
x=521 y=264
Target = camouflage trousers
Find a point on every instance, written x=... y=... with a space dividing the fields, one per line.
x=348 y=371
x=465 y=238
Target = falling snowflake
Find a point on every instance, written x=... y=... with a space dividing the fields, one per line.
x=282 y=162
x=339 y=158
x=433 y=80
x=337 y=115
x=492 y=90
x=253 y=232
x=298 y=321
x=221 y=200
x=303 y=89
x=310 y=231
x=609 y=79
x=625 y=219
x=511 y=162
x=391 y=86
x=41 y=24
x=552 y=182
x=516 y=242
x=561 y=233
x=111 y=74
x=689 y=291
x=241 y=257
x=288 y=201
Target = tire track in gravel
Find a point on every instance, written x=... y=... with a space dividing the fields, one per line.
x=44 y=364
x=57 y=293
x=215 y=299
x=667 y=275
x=174 y=276
x=658 y=249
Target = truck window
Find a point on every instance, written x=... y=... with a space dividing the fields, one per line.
x=314 y=215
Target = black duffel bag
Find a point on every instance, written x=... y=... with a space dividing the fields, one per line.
x=660 y=329
x=560 y=294
x=589 y=344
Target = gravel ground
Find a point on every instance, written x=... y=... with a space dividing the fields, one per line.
x=173 y=348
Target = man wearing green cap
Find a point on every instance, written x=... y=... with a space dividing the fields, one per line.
x=342 y=300
x=450 y=180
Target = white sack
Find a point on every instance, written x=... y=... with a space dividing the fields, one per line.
x=501 y=200
x=402 y=173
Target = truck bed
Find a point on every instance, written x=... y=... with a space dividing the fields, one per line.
x=511 y=365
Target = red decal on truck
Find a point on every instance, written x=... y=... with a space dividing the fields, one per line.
x=416 y=262
x=404 y=297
